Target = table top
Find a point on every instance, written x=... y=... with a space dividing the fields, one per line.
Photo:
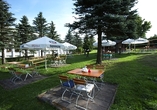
x=92 y=73
x=23 y=66
x=14 y=62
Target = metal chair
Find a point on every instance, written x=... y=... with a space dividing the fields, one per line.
x=82 y=86
x=15 y=75
x=26 y=69
x=67 y=85
x=63 y=59
x=91 y=66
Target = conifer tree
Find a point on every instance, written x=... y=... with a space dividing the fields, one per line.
x=52 y=33
x=69 y=37
x=40 y=26
x=110 y=17
x=24 y=32
x=6 y=21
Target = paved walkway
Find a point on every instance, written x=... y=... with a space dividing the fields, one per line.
x=102 y=101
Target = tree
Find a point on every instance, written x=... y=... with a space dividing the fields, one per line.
x=91 y=40
x=69 y=37
x=52 y=33
x=40 y=26
x=6 y=21
x=103 y=16
x=24 y=32
x=142 y=26
x=77 y=41
x=86 y=43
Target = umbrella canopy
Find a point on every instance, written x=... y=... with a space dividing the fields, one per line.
x=105 y=43
x=68 y=46
x=140 y=41
x=42 y=43
x=128 y=41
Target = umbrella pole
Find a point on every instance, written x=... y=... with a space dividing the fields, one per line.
x=129 y=48
x=45 y=62
x=134 y=47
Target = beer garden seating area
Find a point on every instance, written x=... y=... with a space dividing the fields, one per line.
x=116 y=72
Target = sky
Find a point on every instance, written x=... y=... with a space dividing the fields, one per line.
x=146 y=9
x=60 y=12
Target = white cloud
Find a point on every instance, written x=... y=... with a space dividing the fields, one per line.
x=146 y=9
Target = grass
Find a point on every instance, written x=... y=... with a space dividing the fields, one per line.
x=135 y=74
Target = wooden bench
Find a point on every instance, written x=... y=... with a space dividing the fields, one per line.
x=37 y=61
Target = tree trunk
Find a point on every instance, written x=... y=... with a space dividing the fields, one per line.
x=3 y=56
x=41 y=53
x=26 y=54
x=99 y=51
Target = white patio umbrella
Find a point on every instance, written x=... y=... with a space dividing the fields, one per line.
x=42 y=43
x=140 y=41
x=108 y=43
x=68 y=46
x=105 y=43
x=128 y=41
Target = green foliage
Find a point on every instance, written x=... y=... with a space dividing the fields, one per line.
x=77 y=40
x=6 y=21
x=69 y=37
x=142 y=26
x=79 y=50
x=88 y=42
x=52 y=33
x=74 y=40
x=40 y=25
x=24 y=31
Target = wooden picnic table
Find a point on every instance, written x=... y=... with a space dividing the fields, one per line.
x=93 y=74
x=96 y=73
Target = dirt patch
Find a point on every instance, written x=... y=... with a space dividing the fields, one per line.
x=9 y=85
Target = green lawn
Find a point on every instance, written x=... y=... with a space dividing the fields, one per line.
x=135 y=74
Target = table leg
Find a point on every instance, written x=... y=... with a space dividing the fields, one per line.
x=28 y=74
x=94 y=82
